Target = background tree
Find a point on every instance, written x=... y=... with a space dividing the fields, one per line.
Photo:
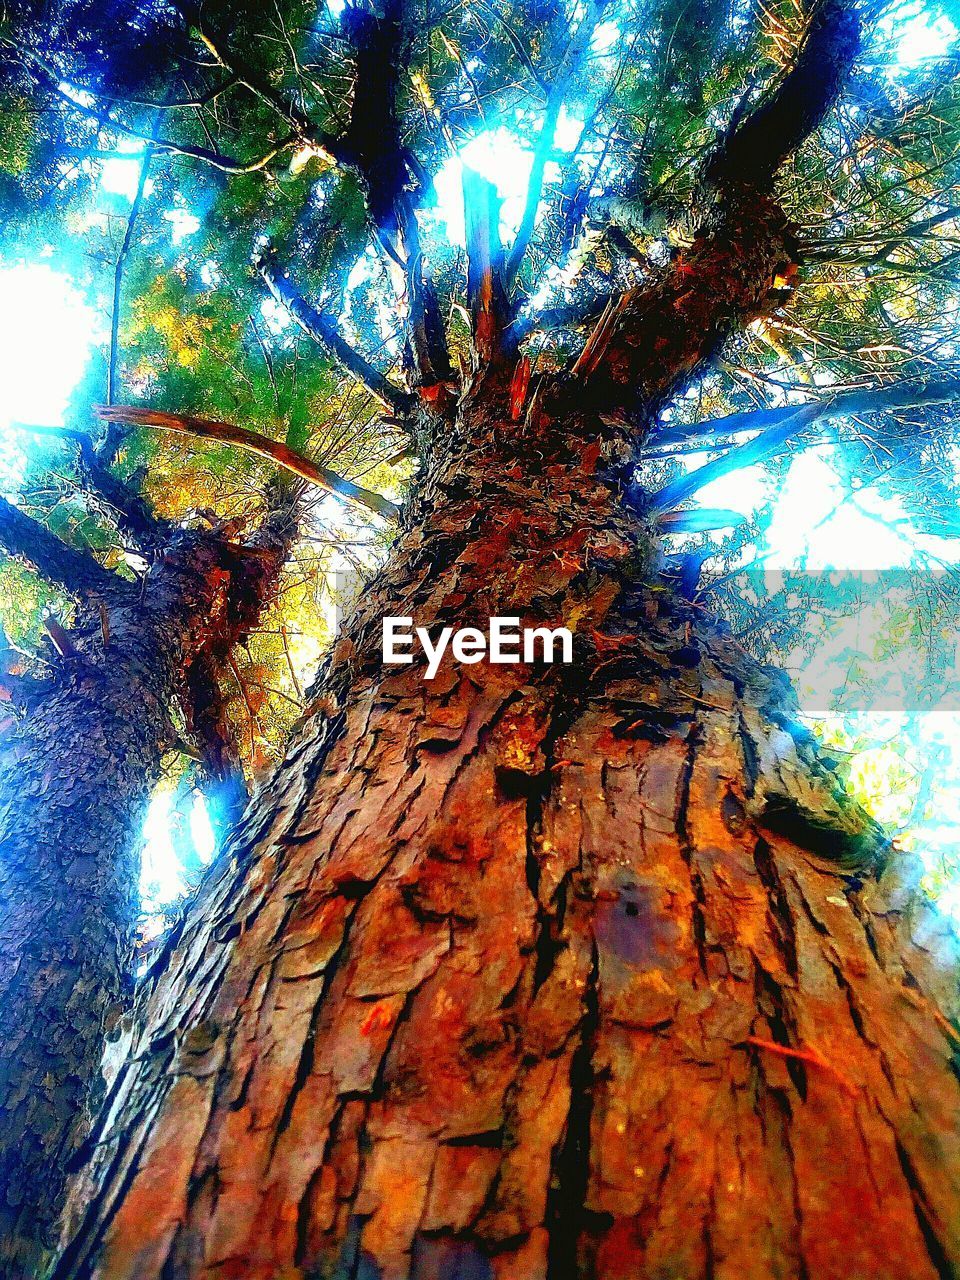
x=537 y=970
x=164 y=642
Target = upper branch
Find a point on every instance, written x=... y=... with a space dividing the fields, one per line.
x=780 y=425
x=756 y=148
x=653 y=339
x=26 y=539
x=372 y=148
x=486 y=286
x=391 y=179
x=241 y=73
x=569 y=65
x=130 y=512
x=109 y=120
x=847 y=404
x=323 y=330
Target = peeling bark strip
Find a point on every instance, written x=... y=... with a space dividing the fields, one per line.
x=274 y=450
x=488 y=985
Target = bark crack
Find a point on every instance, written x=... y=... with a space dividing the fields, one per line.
x=935 y=1250
x=781 y=919
x=308 y=1052
x=699 y=904
x=566 y=1201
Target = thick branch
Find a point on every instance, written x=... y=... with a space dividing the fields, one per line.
x=241 y=438
x=486 y=287
x=849 y=404
x=756 y=450
x=759 y=145
x=789 y=422
x=125 y=505
x=129 y=511
x=324 y=331
x=26 y=539
x=373 y=146
x=656 y=338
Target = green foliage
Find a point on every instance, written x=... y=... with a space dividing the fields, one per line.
x=24 y=603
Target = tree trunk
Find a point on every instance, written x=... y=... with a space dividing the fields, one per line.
x=75 y=780
x=76 y=776
x=540 y=971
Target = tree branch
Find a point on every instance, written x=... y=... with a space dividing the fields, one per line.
x=253 y=442
x=31 y=542
x=129 y=511
x=789 y=422
x=757 y=147
x=848 y=404
x=107 y=119
x=242 y=73
x=517 y=45
x=373 y=147
x=486 y=287
x=569 y=64
x=324 y=331
x=756 y=450
x=658 y=336
x=107 y=453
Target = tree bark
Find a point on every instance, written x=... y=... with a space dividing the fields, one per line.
x=76 y=775
x=540 y=971
x=75 y=779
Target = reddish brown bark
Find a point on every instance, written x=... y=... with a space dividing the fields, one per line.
x=540 y=972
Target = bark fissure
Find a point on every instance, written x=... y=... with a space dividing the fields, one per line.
x=944 y=1267
x=566 y=1203
x=698 y=903
x=781 y=922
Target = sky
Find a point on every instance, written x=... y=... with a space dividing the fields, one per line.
x=48 y=333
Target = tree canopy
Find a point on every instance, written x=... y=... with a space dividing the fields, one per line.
x=262 y=207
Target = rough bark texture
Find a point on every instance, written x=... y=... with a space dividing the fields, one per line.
x=76 y=774
x=529 y=972
x=540 y=972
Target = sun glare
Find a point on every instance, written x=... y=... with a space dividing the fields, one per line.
x=915 y=33
x=120 y=175
x=46 y=335
x=499 y=156
x=161 y=872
